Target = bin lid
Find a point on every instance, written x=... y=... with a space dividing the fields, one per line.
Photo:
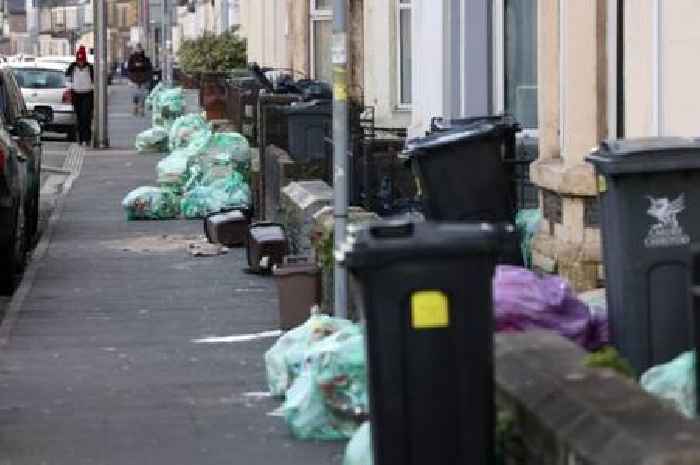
x=291 y=269
x=233 y=215
x=643 y=155
x=380 y=243
x=477 y=130
x=505 y=120
x=313 y=107
x=267 y=232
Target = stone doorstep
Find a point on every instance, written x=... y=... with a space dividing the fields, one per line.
x=594 y=416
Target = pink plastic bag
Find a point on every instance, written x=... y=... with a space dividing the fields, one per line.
x=524 y=300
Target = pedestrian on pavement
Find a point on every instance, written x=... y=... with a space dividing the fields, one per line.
x=140 y=73
x=81 y=75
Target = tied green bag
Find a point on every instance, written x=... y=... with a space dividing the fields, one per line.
x=152 y=140
x=674 y=382
x=231 y=192
x=151 y=203
x=328 y=401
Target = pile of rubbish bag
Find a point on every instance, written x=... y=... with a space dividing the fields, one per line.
x=166 y=104
x=320 y=369
x=674 y=382
x=204 y=173
x=524 y=300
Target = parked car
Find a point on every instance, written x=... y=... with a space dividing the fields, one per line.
x=20 y=174
x=21 y=58
x=44 y=85
x=62 y=59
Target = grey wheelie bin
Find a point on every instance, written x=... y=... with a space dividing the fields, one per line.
x=649 y=192
x=425 y=290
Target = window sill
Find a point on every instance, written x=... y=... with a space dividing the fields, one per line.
x=403 y=109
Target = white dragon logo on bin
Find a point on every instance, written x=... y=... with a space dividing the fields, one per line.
x=667 y=232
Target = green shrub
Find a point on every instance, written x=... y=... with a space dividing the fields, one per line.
x=215 y=53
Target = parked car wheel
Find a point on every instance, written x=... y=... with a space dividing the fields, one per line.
x=14 y=251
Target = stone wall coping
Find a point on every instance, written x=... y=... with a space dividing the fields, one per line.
x=306 y=193
x=596 y=416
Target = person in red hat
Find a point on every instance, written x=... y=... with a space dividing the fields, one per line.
x=81 y=76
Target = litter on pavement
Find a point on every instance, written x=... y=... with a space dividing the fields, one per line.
x=239 y=338
x=203 y=248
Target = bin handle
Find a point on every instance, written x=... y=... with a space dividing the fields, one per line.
x=393 y=229
x=295 y=259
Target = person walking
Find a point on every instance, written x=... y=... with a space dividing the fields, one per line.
x=140 y=73
x=81 y=75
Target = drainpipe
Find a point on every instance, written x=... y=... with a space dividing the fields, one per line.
x=621 y=69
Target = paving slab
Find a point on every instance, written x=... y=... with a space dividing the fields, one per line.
x=102 y=367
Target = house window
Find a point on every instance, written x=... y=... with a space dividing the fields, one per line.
x=403 y=52
x=515 y=60
x=123 y=15
x=59 y=20
x=321 y=37
x=520 y=60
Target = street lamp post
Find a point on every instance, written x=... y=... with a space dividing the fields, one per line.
x=340 y=144
x=100 y=136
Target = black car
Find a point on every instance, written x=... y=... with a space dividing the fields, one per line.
x=20 y=173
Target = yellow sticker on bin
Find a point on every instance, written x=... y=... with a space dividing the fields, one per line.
x=429 y=309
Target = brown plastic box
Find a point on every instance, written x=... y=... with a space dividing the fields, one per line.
x=266 y=246
x=299 y=289
x=227 y=228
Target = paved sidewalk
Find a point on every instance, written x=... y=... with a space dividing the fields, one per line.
x=101 y=367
